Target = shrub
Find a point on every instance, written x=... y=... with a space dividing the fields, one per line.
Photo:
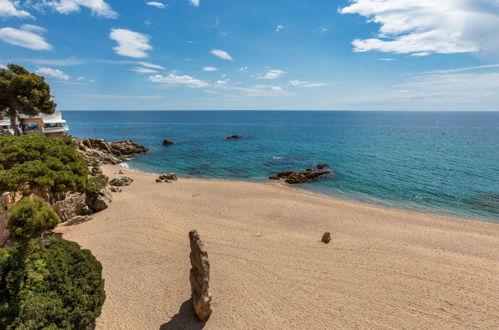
x=41 y=162
x=96 y=183
x=29 y=218
x=54 y=284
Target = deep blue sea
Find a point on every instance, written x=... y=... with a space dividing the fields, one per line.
x=436 y=162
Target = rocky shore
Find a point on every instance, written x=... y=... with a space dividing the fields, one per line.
x=98 y=151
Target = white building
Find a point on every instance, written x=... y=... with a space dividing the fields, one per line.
x=49 y=125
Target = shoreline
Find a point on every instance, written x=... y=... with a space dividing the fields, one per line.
x=305 y=191
x=385 y=268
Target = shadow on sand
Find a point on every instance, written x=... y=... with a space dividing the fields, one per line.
x=185 y=319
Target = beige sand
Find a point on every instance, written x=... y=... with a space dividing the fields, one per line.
x=384 y=268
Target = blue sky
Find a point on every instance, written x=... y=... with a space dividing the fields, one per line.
x=258 y=54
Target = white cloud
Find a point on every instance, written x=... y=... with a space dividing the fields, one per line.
x=59 y=62
x=22 y=38
x=252 y=91
x=299 y=83
x=323 y=29
x=143 y=70
x=151 y=65
x=468 y=68
x=33 y=28
x=195 y=2
x=123 y=96
x=243 y=69
x=271 y=74
x=279 y=28
x=174 y=79
x=423 y=27
x=130 y=43
x=98 y=7
x=222 y=54
x=10 y=8
x=209 y=69
x=387 y=59
x=53 y=73
x=157 y=4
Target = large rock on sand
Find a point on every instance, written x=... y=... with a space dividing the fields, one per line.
x=200 y=277
x=121 y=182
x=99 y=200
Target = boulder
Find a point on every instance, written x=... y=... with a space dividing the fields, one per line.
x=167 y=142
x=200 y=277
x=235 y=137
x=169 y=176
x=74 y=205
x=121 y=182
x=115 y=189
x=96 y=171
x=99 y=200
x=159 y=180
x=326 y=238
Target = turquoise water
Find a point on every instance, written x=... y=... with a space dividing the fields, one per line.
x=436 y=162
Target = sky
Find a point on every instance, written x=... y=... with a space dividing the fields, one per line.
x=258 y=54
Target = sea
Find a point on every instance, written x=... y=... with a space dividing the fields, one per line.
x=444 y=163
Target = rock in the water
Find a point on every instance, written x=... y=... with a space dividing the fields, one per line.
x=98 y=151
x=326 y=238
x=121 y=182
x=322 y=166
x=99 y=200
x=167 y=142
x=299 y=177
x=200 y=277
x=235 y=137
x=486 y=202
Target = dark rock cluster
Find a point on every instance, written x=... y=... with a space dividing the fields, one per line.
x=292 y=177
x=167 y=178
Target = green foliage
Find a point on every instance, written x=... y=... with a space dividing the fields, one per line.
x=29 y=218
x=23 y=92
x=96 y=183
x=41 y=162
x=53 y=284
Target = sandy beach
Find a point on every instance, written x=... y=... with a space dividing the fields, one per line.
x=384 y=269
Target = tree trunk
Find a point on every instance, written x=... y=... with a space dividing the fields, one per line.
x=14 y=125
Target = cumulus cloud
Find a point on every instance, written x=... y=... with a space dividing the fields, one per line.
x=271 y=74
x=299 y=83
x=423 y=27
x=279 y=28
x=130 y=43
x=53 y=73
x=222 y=54
x=157 y=4
x=98 y=7
x=176 y=80
x=11 y=9
x=195 y=2
x=24 y=37
x=209 y=69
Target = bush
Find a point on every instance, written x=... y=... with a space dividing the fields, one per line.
x=96 y=183
x=53 y=284
x=29 y=218
x=41 y=162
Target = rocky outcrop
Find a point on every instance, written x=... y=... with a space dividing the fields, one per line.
x=326 y=237
x=74 y=205
x=167 y=177
x=321 y=166
x=200 y=277
x=121 y=182
x=235 y=137
x=5 y=200
x=98 y=200
x=300 y=177
x=167 y=142
x=98 y=151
